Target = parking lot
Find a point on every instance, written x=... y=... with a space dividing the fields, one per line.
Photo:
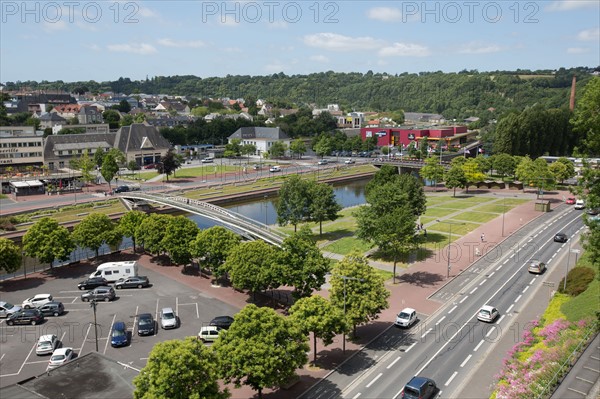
x=75 y=328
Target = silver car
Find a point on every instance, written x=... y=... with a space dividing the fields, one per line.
x=7 y=309
x=168 y=319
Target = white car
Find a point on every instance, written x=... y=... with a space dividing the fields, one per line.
x=207 y=160
x=406 y=318
x=168 y=319
x=7 y=309
x=579 y=204
x=37 y=301
x=349 y=161
x=59 y=357
x=209 y=333
x=275 y=168
x=46 y=344
x=322 y=162
x=487 y=313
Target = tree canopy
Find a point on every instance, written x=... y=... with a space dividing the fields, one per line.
x=47 y=241
x=10 y=256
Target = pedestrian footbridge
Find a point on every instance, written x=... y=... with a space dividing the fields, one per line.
x=240 y=224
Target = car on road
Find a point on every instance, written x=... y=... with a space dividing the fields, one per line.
x=122 y=189
x=99 y=294
x=119 y=336
x=146 y=324
x=274 y=169
x=223 y=322
x=46 y=344
x=209 y=333
x=7 y=309
x=322 y=162
x=593 y=211
x=92 y=283
x=26 y=316
x=60 y=356
x=579 y=204
x=560 y=237
x=406 y=318
x=168 y=319
x=570 y=201
x=36 y=301
x=536 y=266
x=150 y=166
x=349 y=161
x=207 y=160
x=132 y=282
x=53 y=308
x=420 y=388
x=487 y=313
x=256 y=167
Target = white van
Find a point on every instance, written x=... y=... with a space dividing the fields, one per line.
x=112 y=271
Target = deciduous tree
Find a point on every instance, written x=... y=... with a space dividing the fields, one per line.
x=178 y=237
x=93 y=231
x=298 y=147
x=323 y=204
x=47 y=241
x=213 y=245
x=251 y=266
x=432 y=170
x=455 y=177
x=294 y=201
x=169 y=163
x=130 y=223
x=10 y=256
x=152 y=231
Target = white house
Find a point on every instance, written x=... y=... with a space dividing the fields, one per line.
x=262 y=137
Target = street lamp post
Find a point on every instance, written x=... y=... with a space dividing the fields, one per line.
x=449 y=242
x=93 y=305
x=266 y=209
x=344 y=278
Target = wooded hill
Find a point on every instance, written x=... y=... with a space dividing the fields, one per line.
x=454 y=95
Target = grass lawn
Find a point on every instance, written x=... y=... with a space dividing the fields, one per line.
x=77 y=212
x=494 y=208
x=438 y=212
x=477 y=217
x=587 y=303
x=434 y=200
x=346 y=245
x=459 y=229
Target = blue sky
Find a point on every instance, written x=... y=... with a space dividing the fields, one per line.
x=74 y=40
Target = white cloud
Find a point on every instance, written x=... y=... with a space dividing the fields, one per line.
x=336 y=42
x=385 y=14
x=275 y=67
x=319 y=58
x=181 y=44
x=145 y=12
x=479 y=48
x=577 y=50
x=404 y=50
x=589 y=34
x=567 y=5
x=137 y=48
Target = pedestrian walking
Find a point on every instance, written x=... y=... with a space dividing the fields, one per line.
x=482 y=237
x=477 y=253
x=425 y=232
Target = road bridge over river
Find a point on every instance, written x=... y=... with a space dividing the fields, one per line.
x=234 y=221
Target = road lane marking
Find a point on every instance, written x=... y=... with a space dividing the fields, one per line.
x=491 y=274
x=451 y=378
x=410 y=347
x=374 y=379
x=532 y=280
x=464 y=299
x=109 y=331
x=453 y=309
x=80 y=350
x=490 y=332
x=526 y=288
x=425 y=333
x=388 y=367
x=356 y=396
x=501 y=318
x=505 y=262
x=509 y=308
x=519 y=297
x=483 y=282
x=465 y=361
x=473 y=290
x=2 y=357
x=478 y=345
x=440 y=320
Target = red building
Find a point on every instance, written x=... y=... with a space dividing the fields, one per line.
x=404 y=136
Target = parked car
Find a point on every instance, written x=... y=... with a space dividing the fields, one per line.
x=92 y=283
x=26 y=316
x=561 y=237
x=53 y=308
x=168 y=318
x=223 y=322
x=60 y=356
x=207 y=160
x=256 y=167
x=536 y=266
x=99 y=294
x=150 y=166
x=579 y=204
x=487 y=313
x=275 y=168
x=36 y=301
x=322 y=162
x=406 y=318
x=209 y=333
x=570 y=201
x=593 y=211
x=7 y=309
x=122 y=189
x=46 y=344
x=119 y=336
x=132 y=282
x=420 y=388
x=349 y=161
x=146 y=324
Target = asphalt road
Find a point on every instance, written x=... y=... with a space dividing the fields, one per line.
x=18 y=360
x=452 y=344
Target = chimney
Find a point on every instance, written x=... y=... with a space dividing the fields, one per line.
x=572 y=102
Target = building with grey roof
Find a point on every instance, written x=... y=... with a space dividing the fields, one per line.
x=262 y=137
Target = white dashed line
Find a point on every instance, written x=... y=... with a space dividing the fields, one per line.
x=491 y=274
x=532 y=280
x=519 y=297
x=526 y=288
x=356 y=396
x=483 y=282
x=509 y=308
x=451 y=378
x=501 y=318
x=505 y=262
x=490 y=332
x=374 y=379
x=473 y=290
x=392 y=363
x=478 y=345
x=424 y=334
x=464 y=299
x=465 y=361
x=440 y=320
x=453 y=309
x=410 y=347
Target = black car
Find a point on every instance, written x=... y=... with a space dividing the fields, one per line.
x=222 y=321
x=132 y=282
x=53 y=308
x=146 y=324
x=560 y=237
x=26 y=316
x=122 y=189
x=92 y=283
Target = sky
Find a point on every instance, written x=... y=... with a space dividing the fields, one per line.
x=74 y=40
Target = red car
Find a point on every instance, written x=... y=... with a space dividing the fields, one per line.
x=150 y=166
x=570 y=201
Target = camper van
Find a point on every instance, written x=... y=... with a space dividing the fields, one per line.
x=112 y=271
